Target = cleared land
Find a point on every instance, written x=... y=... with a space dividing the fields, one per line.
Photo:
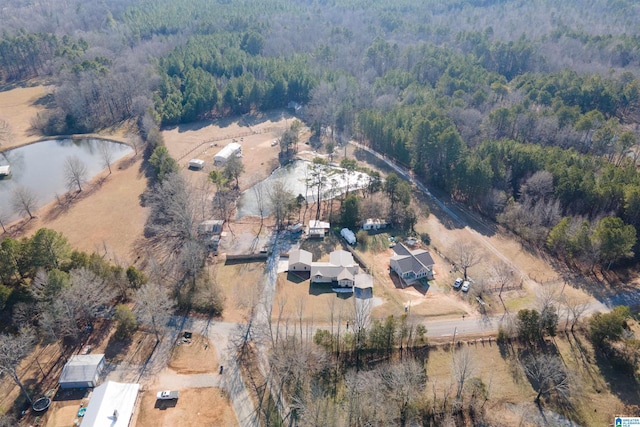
x=19 y=107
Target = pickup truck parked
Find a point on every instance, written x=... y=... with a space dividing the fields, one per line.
x=167 y=395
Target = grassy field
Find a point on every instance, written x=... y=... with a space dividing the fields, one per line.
x=598 y=393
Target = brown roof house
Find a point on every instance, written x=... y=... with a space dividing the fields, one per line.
x=411 y=265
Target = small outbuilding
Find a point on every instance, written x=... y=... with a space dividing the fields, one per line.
x=82 y=371
x=196 y=164
x=5 y=170
x=373 y=224
x=210 y=227
x=111 y=405
x=318 y=228
x=230 y=150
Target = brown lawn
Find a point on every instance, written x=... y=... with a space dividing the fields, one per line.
x=195 y=357
x=202 y=407
x=19 y=107
x=106 y=218
x=511 y=396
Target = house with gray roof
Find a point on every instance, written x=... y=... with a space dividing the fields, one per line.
x=341 y=268
x=411 y=265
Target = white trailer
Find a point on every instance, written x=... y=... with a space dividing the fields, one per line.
x=196 y=164
x=348 y=236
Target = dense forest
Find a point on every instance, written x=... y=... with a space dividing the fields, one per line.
x=527 y=111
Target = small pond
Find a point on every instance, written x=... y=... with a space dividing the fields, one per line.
x=40 y=166
x=294 y=176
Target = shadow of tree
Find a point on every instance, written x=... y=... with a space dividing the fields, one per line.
x=621 y=382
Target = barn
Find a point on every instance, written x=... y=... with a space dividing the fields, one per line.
x=231 y=149
x=82 y=371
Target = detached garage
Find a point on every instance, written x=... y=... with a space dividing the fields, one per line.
x=82 y=371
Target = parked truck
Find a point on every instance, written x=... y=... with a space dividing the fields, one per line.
x=167 y=395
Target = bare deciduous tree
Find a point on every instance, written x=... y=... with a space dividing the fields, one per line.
x=75 y=173
x=548 y=376
x=575 y=309
x=279 y=199
x=463 y=369
x=4 y=219
x=539 y=186
x=501 y=275
x=88 y=296
x=174 y=214
x=153 y=308
x=24 y=201
x=404 y=382
x=5 y=132
x=106 y=155
x=465 y=255
x=14 y=348
x=224 y=205
x=136 y=142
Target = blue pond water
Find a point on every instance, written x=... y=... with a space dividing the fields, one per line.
x=40 y=167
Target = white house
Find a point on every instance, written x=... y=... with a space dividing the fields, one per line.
x=300 y=260
x=231 y=149
x=341 y=268
x=82 y=371
x=348 y=236
x=318 y=228
x=373 y=224
x=411 y=265
x=111 y=405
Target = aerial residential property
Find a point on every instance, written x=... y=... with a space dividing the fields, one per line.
x=411 y=265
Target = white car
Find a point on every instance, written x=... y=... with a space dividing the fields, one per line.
x=457 y=283
x=465 y=286
x=167 y=395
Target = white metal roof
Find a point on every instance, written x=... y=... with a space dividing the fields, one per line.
x=228 y=151
x=108 y=398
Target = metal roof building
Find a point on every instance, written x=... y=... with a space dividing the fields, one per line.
x=111 y=405
x=82 y=371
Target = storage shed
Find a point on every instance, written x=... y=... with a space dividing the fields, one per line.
x=82 y=371
x=5 y=170
x=231 y=149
